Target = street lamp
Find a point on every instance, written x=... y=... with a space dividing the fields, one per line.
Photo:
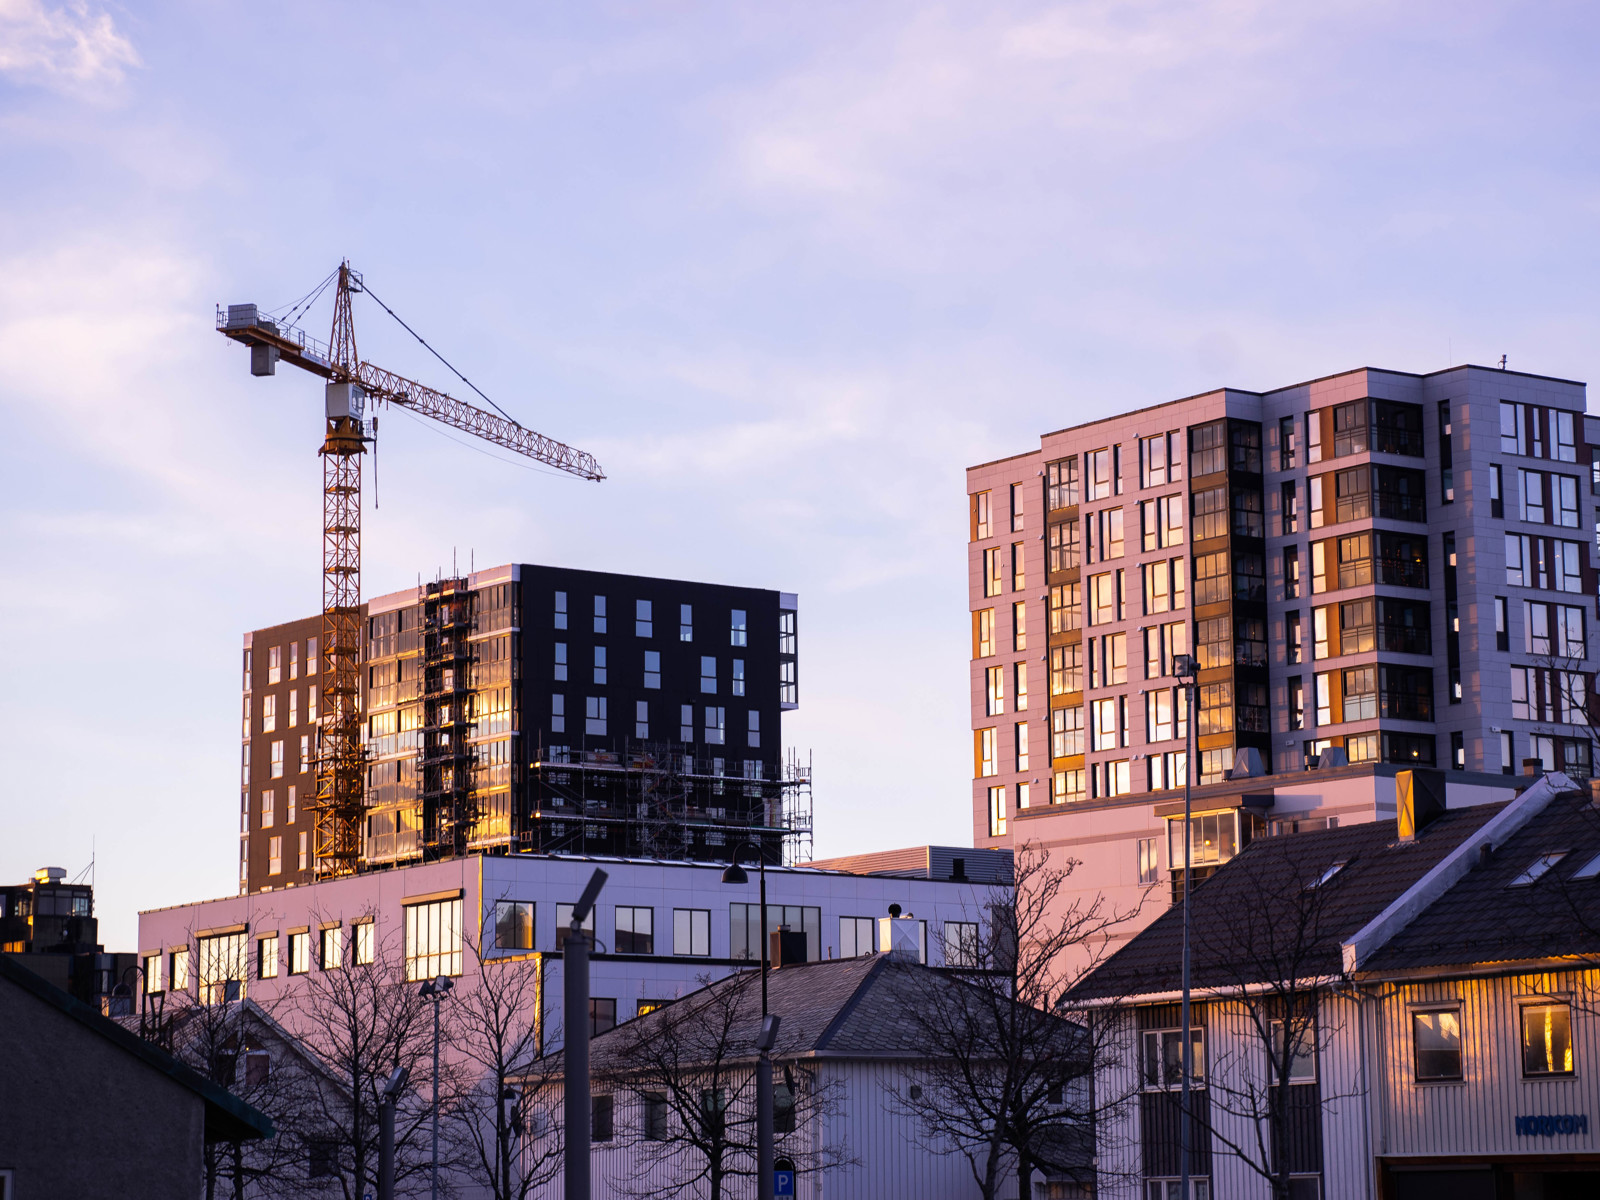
x=769 y=1031
x=436 y=989
x=1187 y=670
x=386 y=1103
x=575 y=1042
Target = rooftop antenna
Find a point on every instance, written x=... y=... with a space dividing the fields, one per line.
x=1502 y=362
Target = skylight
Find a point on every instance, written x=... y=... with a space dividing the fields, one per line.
x=1332 y=870
x=1536 y=869
x=1589 y=869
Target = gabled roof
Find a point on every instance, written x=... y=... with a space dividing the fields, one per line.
x=1252 y=892
x=227 y=1117
x=848 y=1008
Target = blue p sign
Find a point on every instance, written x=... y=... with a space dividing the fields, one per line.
x=783 y=1183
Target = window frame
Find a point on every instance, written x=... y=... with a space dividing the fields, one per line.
x=1431 y=1010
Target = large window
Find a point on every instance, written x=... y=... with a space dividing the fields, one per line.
x=961 y=944
x=299 y=952
x=224 y=967
x=1061 y=483
x=744 y=927
x=1210 y=509
x=1436 y=1040
x=513 y=924
x=1208 y=451
x=691 y=931
x=1546 y=1039
x=1303 y=1060
x=433 y=939
x=332 y=948
x=636 y=930
x=856 y=936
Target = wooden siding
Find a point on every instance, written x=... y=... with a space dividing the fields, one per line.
x=1478 y=1114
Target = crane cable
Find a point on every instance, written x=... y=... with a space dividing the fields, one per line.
x=439 y=356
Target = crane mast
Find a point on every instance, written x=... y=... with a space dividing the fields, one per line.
x=339 y=807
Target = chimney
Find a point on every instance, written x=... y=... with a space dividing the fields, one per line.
x=1419 y=798
x=1533 y=766
x=958 y=870
x=785 y=946
x=901 y=937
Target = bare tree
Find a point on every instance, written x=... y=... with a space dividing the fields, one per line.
x=692 y=1070
x=508 y=1088
x=1274 y=952
x=1008 y=1077
x=364 y=1019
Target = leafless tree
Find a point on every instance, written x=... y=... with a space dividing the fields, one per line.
x=1009 y=1074
x=690 y=1068
x=364 y=1019
x=508 y=1086
x=1273 y=952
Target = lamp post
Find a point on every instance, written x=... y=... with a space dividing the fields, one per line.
x=575 y=1043
x=1186 y=670
x=769 y=1031
x=386 y=1104
x=436 y=989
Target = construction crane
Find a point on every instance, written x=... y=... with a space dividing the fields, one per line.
x=351 y=385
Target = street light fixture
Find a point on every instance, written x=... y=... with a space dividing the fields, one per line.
x=575 y=1042
x=436 y=989
x=1187 y=671
x=768 y=1036
x=387 y=1100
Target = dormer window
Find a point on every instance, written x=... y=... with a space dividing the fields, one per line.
x=1538 y=868
x=1333 y=869
x=1589 y=869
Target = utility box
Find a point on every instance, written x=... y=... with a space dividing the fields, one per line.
x=346 y=400
x=263 y=360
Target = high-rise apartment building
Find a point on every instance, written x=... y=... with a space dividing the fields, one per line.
x=1398 y=568
x=531 y=708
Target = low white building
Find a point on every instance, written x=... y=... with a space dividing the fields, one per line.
x=1437 y=972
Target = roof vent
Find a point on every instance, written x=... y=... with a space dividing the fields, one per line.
x=1333 y=756
x=49 y=875
x=1247 y=764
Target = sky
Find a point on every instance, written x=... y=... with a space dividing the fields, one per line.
x=784 y=269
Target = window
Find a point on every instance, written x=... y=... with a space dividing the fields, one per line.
x=1018 y=568
x=362 y=946
x=1513 y=428
x=1564 y=494
x=1061 y=483
x=1172 y=1189
x=304 y=853
x=1105 y=724
x=993 y=577
x=602 y=1014
x=1211 y=578
x=602 y=1116
x=1248 y=518
x=267 y=809
x=1066 y=669
x=305 y=766
x=1215 y=701
x=997 y=812
x=685 y=623
x=1163 y=1058
x=1098 y=470
x=1210 y=509
x=1286 y=444
x=1303 y=1059
x=1436 y=1040
x=1019 y=677
x=691 y=931
x=1297 y=703
x=1538 y=868
x=643 y=620
x=277 y=760
x=1291 y=572
x=856 y=936
x=599 y=664
x=513 y=925
x=654 y=1116
x=1530 y=492
x=224 y=967
x=1350 y=428
x=1018 y=492
x=753 y=738
x=636 y=930
x=1360 y=691
x=275 y=664
x=716 y=726
x=1021 y=745
x=564 y=923
x=983 y=632
x=1149 y=868
x=599 y=614
x=1102 y=599
x=266 y=960
x=961 y=944
x=1066 y=732
x=652 y=668
x=1290 y=507
x=294 y=707
x=1153 y=461
x=275 y=856
x=1065 y=546
x=561 y=661
x=686 y=723
x=982 y=516
x=744 y=932
x=1066 y=786
x=558 y=714
x=736 y=679
x=332 y=948
x=433 y=939
x=561 y=610
x=594 y=715
x=299 y=952
x=1207 y=452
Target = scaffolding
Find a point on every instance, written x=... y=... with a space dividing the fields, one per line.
x=445 y=756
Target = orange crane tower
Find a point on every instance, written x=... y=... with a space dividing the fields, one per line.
x=341 y=766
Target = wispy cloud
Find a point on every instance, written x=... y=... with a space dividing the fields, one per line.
x=72 y=48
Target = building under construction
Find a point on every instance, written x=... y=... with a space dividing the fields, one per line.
x=531 y=709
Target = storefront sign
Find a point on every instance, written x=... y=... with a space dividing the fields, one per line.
x=1552 y=1125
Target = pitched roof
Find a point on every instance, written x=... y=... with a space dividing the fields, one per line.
x=1483 y=920
x=227 y=1116
x=1250 y=900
